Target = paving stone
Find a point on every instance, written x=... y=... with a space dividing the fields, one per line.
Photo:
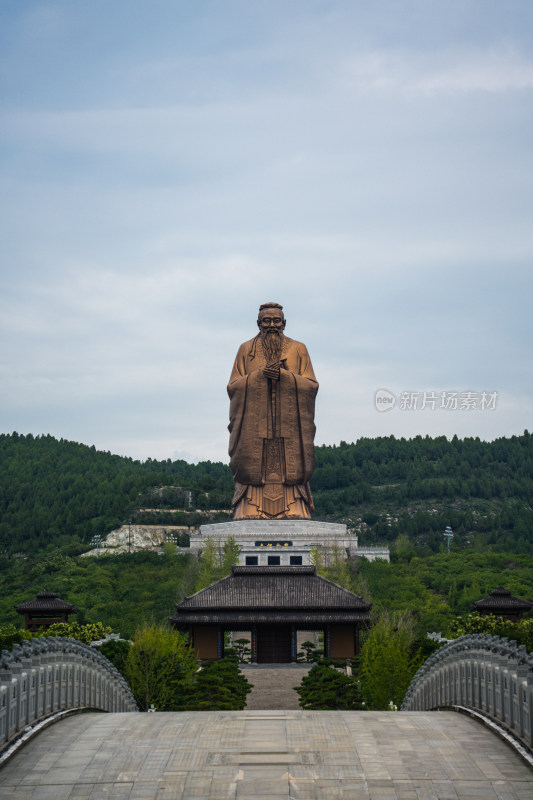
x=51 y=792
x=81 y=791
x=267 y=753
x=16 y=791
x=522 y=790
x=328 y=789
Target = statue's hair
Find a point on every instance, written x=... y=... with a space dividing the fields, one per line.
x=270 y=305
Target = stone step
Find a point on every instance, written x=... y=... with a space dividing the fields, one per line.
x=274 y=685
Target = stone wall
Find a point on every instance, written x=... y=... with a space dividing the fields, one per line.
x=43 y=676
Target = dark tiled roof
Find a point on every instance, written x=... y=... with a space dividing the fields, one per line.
x=46 y=601
x=272 y=594
x=501 y=599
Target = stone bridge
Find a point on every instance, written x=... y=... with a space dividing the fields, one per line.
x=43 y=678
x=267 y=754
x=408 y=755
x=486 y=675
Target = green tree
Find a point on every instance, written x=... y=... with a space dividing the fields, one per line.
x=230 y=555
x=216 y=563
x=160 y=667
x=316 y=556
x=402 y=549
x=91 y=632
x=208 y=569
x=242 y=649
x=361 y=587
x=169 y=549
x=10 y=635
x=452 y=594
x=338 y=569
x=219 y=685
x=325 y=687
x=520 y=631
x=387 y=666
x=312 y=653
x=116 y=650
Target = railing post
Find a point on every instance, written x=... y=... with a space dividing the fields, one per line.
x=527 y=700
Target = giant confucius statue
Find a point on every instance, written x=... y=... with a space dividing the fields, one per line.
x=272 y=392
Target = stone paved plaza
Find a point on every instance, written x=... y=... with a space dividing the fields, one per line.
x=267 y=754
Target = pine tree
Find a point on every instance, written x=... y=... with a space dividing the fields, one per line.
x=325 y=688
x=218 y=686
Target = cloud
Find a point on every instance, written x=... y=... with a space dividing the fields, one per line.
x=449 y=71
x=369 y=169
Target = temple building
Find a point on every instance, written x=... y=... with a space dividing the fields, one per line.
x=273 y=603
x=45 y=610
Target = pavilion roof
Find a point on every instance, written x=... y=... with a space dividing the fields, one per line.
x=501 y=599
x=46 y=601
x=272 y=594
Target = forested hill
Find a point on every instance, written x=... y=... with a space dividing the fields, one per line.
x=385 y=487
x=60 y=493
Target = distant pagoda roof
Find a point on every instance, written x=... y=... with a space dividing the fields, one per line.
x=46 y=602
x=501 y=601
x=282 y=595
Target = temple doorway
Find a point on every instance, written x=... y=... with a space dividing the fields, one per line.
x=274 y=644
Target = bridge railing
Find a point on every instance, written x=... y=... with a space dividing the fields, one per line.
x=486 y=673
x=43 y=676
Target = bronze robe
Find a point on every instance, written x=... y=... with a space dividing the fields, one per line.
x=272 y=420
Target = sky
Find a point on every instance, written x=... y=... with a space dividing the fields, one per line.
x=168 y=165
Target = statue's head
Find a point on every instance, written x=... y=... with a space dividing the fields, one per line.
x=271 y=318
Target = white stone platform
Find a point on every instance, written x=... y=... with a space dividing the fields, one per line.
x=289 y=540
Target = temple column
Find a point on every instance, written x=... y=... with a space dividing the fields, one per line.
x=327 y=642
x=356 y=639
x=253 y=656
x=294 y=648
x=220 y=643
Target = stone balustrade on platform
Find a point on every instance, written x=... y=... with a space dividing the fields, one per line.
x=42 y=677
x=491 y=675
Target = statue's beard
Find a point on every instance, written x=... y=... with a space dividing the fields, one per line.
x=272 y=341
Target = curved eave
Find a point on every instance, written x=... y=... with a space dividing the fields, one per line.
x=359 y=609
x=507 y=606
x=45 y=608
x=269 y=617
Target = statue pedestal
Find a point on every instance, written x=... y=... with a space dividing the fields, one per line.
x=283 y=542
